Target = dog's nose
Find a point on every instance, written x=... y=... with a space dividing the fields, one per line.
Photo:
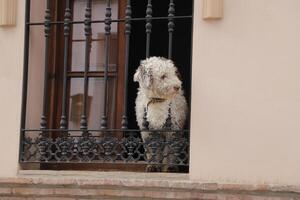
x=176 y=88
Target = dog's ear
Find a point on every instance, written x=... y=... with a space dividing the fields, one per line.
x=139 y=72
x=143 y=76
x=137 y=75
x=147 y=78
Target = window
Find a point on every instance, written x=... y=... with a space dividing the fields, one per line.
x=78 y=92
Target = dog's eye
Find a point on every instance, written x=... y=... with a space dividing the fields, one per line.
x=163 y=76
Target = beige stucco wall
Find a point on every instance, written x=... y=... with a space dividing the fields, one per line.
x=246 y=94
x=11 y=66
x=245 y=102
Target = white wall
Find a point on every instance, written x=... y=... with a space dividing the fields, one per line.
x=246 y=94
x=11 y=67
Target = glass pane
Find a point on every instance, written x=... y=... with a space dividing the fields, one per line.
x=75 y=102
x=97 y=54
x=98 y=9
x=98 y=37
x=94 y=103
x=78 y=49
x=78 y=32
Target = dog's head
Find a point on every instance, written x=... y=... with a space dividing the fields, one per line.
x=158 y=78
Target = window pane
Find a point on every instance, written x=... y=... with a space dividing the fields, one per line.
x=97 y=54
x=75 y=102
x=98 y=37
x=94 y=102
x=98 y=9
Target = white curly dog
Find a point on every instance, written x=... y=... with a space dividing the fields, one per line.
x=160 y=104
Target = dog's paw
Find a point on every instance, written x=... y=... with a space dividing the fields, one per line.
x=153 y=168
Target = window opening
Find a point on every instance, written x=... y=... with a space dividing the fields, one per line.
x=90 y=51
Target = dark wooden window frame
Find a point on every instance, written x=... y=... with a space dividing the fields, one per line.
x=56 y=56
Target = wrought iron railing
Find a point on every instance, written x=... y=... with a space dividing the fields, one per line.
x=44 y=145
x=104 y=147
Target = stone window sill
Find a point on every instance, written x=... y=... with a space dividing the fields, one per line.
x=97 y=185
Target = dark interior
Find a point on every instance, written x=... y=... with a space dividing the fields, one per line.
x=159 y=44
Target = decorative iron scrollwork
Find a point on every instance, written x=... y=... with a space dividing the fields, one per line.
x=44 y=148
x=131 y=149
x=109 y=146
x=65 y=148
x=86 y=148
x=162 y=148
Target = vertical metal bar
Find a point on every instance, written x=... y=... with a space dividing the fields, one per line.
x=149 y=12
x=88 y=33
x=25 y=64
x=107 y=39
x=25 y=76
x=128 y=13
x=171 y=26
x=67 y=19
x=148 y=27
x=47 y=42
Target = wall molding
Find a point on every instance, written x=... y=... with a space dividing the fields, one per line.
x=213 y=9
x=8 y=12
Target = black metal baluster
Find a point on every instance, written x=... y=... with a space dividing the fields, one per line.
x=88 y=33
x=86 y=143
x=25 y=79
x=107 y=39
x=43 y=140
x=63 y=120
x=171 y=26
x=149 y=12
x=148 y=27
x=128 y=13
x=47 y=42
x=25 y=64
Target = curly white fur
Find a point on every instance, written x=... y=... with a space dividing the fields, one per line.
x=158 y=79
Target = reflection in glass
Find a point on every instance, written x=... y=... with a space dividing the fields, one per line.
x=98 y=37
x=94 y=102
